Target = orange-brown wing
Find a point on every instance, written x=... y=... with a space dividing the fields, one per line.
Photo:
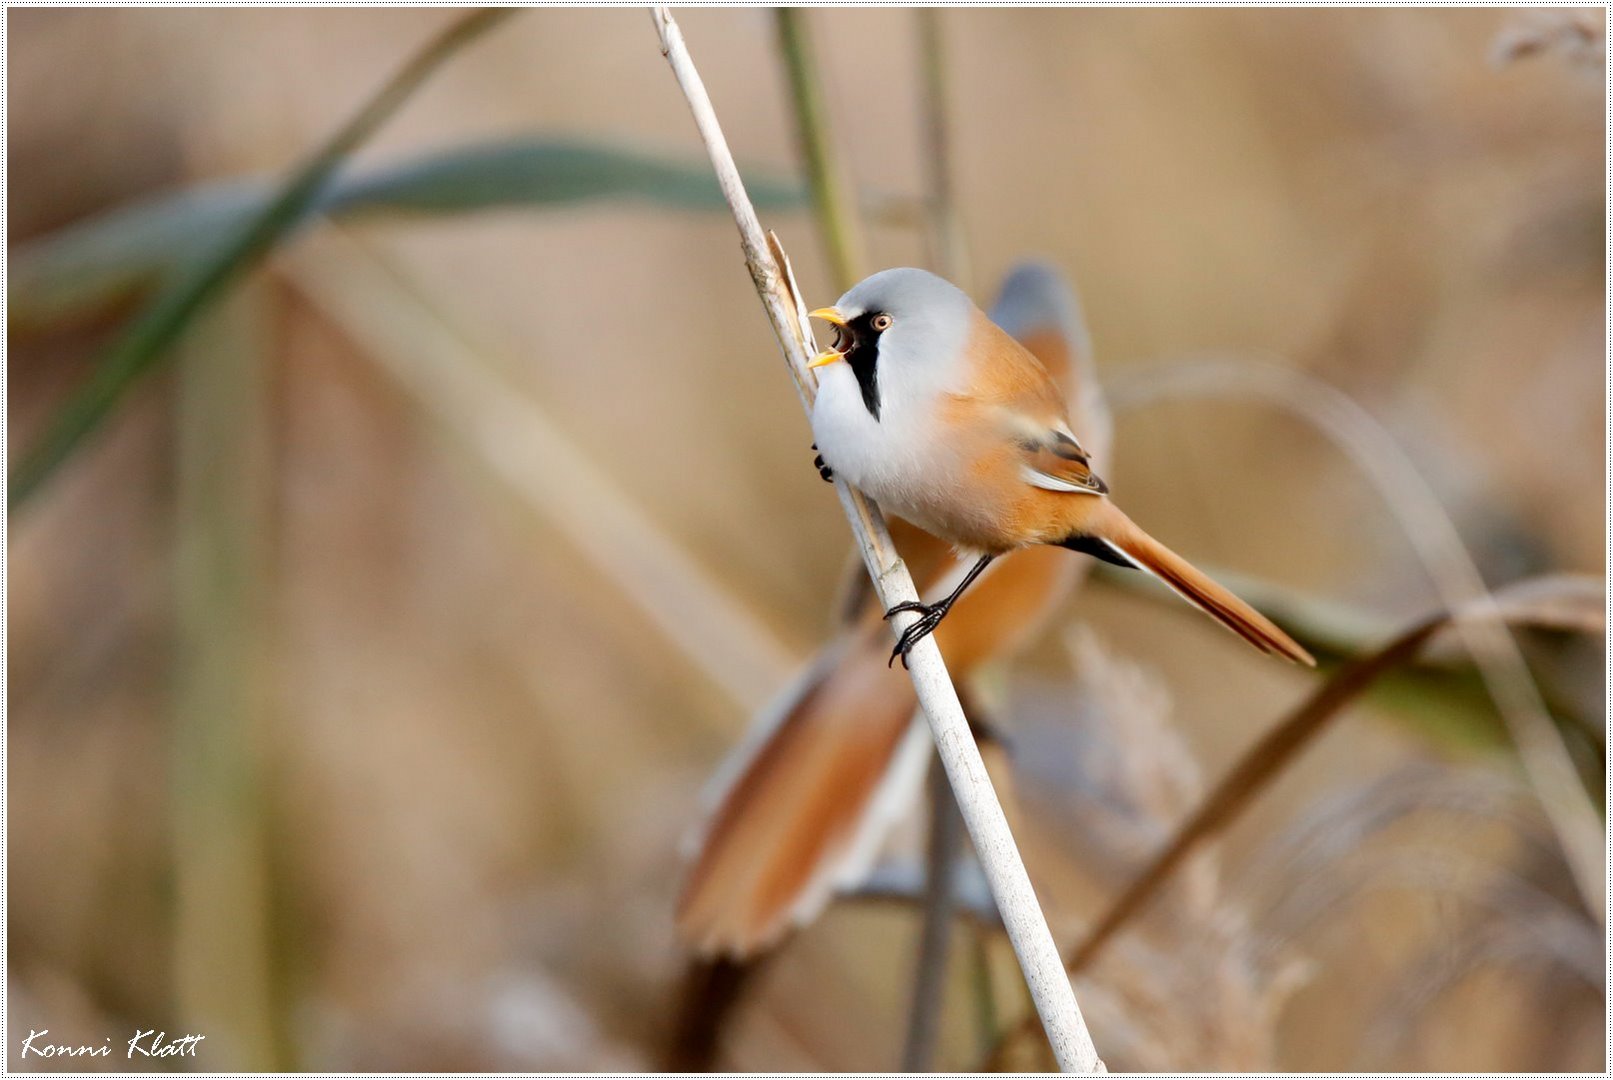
x=1038 y=306
x=1011 y=382
x=1052 y=459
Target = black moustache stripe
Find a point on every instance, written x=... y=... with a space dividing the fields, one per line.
x=863 y=356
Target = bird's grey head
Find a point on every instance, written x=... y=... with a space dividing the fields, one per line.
x=902 y=331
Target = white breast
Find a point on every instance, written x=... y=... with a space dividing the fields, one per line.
x=894 y=459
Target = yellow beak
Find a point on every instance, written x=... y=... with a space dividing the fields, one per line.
x=833 y=317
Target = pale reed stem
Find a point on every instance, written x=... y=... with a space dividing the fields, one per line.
x=982 y=813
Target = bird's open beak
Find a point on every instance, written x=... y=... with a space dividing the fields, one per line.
x=833 y=317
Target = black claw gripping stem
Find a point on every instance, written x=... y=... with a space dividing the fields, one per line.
x=930 y=614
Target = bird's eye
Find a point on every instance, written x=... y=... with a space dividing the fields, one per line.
x=881 y=323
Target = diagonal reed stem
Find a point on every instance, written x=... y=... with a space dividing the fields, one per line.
x=1566 y=602
x=1011 y=887
x=146 y=342
x=452 y=375
x=1545 y=758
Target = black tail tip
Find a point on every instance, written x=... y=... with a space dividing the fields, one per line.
x=1098 y=549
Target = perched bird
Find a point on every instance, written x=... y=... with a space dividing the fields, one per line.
x=802 y=803
x=981 y=442
x=939 y=415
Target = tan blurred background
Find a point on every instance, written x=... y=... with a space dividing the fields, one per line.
x=465 y=751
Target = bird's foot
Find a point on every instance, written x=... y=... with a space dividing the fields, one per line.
x=930 y=616
x=824 y=471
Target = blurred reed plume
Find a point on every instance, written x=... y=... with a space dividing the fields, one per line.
x=405 y=521
x=1105 y=782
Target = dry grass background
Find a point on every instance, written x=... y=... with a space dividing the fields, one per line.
x=477 y=757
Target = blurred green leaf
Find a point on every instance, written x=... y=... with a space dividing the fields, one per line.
x=229 y=255
x=548 y=171
x=1442 y=699
x=95 y=264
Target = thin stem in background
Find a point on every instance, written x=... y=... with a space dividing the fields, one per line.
x=841 y=235
x=982 y=813
x=940 y=903
x=948 y=249
x=146 y=342
x=224 y=971
x=944 y=238
x=839 y=229
x=984 y=988
x=842 y=241
x=832 y=195
x=708 y=994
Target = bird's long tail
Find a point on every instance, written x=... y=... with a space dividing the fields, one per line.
x=802 y=808
x=1192 y=585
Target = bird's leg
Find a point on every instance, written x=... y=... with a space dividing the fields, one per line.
x=824 y=471
x=930 y=614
